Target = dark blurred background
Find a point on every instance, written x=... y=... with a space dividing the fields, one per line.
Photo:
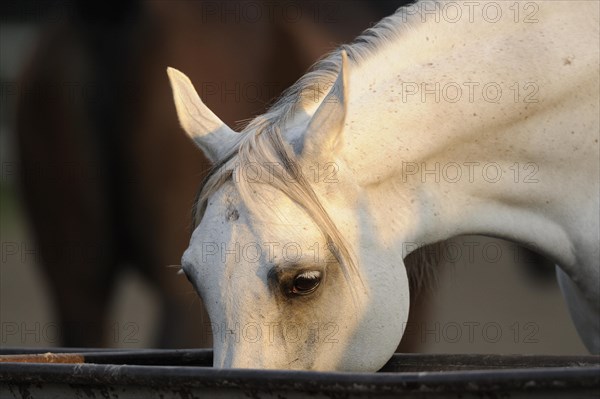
x=98 y=179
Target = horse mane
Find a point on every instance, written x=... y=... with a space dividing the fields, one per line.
x=260 y=143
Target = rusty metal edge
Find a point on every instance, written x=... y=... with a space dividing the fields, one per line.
x=577 y=379
x=400 y=362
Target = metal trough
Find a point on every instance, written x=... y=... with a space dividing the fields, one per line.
x=187 y=374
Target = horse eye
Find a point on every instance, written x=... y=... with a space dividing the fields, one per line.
x=306 y=282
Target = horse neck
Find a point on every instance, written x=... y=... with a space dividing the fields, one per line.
x=406 y=149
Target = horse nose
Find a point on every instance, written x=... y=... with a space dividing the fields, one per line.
x=240 y=355
x=236 y=359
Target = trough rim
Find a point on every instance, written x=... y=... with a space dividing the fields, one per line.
x=574 y=378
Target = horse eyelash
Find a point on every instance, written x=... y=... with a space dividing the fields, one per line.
x=311 y=274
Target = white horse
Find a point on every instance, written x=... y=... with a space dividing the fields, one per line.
x=444 y=119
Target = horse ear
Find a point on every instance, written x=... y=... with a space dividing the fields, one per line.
x=209 y=133
x=323 y=134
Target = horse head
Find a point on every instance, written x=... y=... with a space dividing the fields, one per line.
x=282 y=255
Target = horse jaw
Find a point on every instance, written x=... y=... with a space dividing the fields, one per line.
x=386 y=312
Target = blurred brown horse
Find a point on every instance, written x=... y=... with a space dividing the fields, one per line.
x=106 y=182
